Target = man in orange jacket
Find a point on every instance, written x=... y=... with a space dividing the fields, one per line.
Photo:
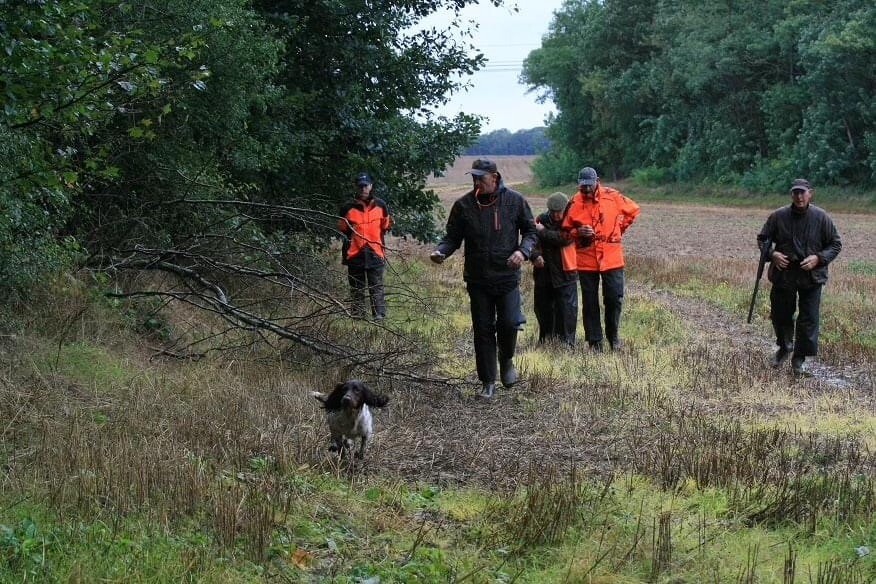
x=365 y=220
x=596 y=220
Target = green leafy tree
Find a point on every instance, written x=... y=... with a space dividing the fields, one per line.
x=118 y=115
x=66 y=76
x=358 y=81
x=727 y=90
x=837 y=140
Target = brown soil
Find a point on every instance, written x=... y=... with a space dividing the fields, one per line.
x=667 y=230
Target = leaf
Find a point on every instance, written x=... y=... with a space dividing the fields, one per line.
x=302 y=559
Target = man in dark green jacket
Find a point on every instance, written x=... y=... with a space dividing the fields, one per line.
x=498 y=230
x=805 y=241
x=555 y=275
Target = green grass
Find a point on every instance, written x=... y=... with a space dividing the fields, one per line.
x=862 y=268
x=85 y=364
x=37 y=544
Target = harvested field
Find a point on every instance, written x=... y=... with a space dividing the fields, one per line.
x=514 y=169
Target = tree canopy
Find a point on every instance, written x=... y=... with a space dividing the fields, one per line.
x=127 y=123
x=727 y=90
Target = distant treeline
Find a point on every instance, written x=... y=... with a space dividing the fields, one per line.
x=520 y=143
x=748 y=91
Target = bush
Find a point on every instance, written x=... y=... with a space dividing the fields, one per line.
x=29 y=246
x=557 y=167
x=768 y=177
x=652 y=176
x=34 y=204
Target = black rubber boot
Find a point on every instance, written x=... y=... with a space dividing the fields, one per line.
x=798 y=366
x=780 y=357
x=507 y=372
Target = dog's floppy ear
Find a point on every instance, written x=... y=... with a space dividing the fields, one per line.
x=333 y=400
x=373 y=399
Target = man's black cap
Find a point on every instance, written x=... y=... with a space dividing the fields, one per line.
x=587 y=176
x=482 y=166
x=363 y=178
x=800 y=184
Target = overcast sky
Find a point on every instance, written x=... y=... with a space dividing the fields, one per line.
x=505 y=38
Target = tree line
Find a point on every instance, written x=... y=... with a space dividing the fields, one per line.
x=750 y=91
x=504 y=142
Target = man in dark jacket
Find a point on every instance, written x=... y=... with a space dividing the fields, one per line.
x=364 y=221
x=555 y=276
x=805 y=241
x=496 y=225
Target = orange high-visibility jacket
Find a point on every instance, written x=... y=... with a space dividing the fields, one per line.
x=365 y=225
x=610 y=214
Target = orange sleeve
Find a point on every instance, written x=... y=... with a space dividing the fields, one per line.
x=571 y=220
x=630 y=211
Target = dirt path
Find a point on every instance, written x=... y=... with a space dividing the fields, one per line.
x=711 y=325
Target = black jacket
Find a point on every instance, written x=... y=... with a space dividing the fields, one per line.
x=491 y=232
x=798 y=234
x=550 y=246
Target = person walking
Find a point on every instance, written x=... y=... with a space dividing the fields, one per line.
x=555 y=275
x=804 y=241
x=596 y=220
x=495 y=223
x=364 y=221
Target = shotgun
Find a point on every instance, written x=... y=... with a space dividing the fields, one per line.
x=765 y=251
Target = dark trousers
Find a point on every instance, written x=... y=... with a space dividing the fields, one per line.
x=612 y=298
x=784 y=301
x=370 y=279
x=557 y=311
x=494 y=319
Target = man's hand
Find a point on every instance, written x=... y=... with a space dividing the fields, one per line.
x=538 y=262
x=809 y=262
x=516 y=260
x=539 y=227
x=585 y=231
x=780 y=260
x=437 y=257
